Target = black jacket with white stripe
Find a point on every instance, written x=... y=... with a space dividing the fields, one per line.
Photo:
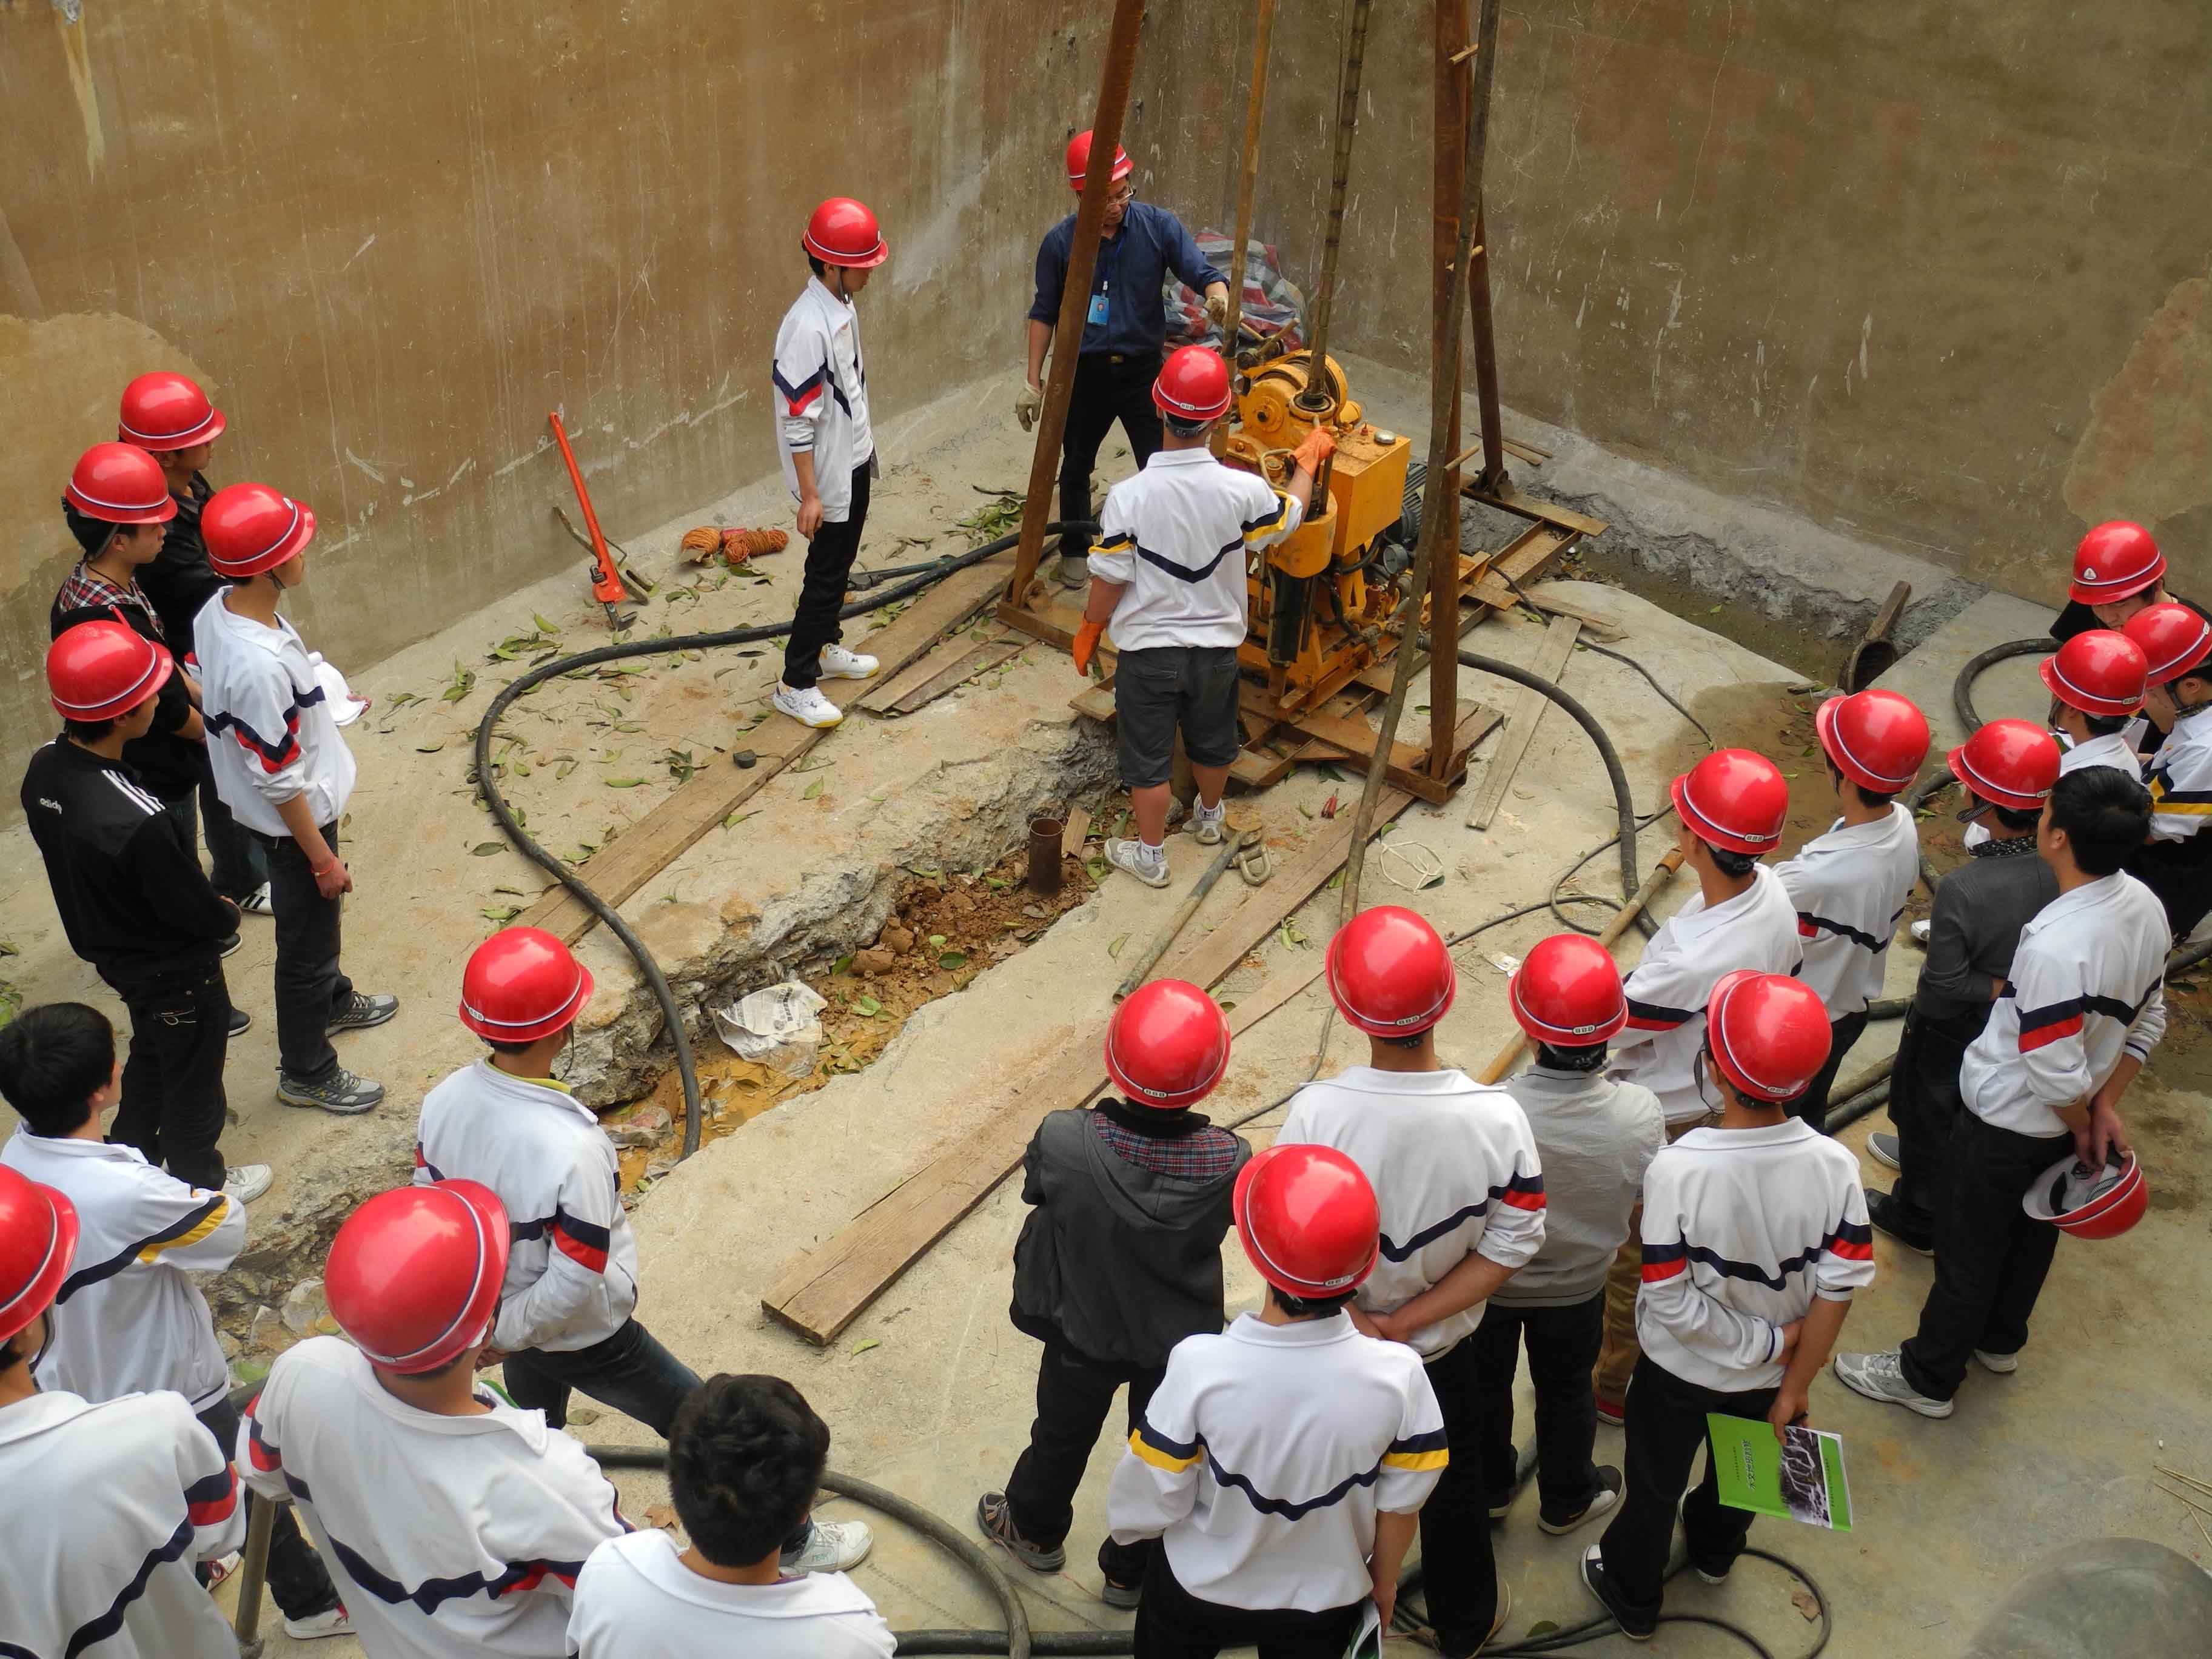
x=132 y=897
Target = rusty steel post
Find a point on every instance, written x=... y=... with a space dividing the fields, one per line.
x=1477 y=288
x=1316 y=398
x=1248 y=179
x=1452 y=79
x=1075 y=297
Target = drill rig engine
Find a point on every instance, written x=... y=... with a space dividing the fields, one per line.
x=1320 y=596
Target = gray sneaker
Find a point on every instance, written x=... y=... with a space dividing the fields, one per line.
x=1211 y=828
x=1881 y=1376
x=361 y=1011
x=1883 y=1149
x=341 y=1092
x=1074 y=570
x=1130 y=855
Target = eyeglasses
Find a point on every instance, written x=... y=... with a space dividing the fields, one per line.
x=1120 y=196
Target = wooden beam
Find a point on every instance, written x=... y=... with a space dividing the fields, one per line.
x=1529 y=706
x=1528 y=507
x=1498 y=597
x=958 y=673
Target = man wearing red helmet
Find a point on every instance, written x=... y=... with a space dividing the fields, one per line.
x=2078 y=1016
x=1455 y=1171
x=1124 y=329
x=116 y=1502
x=283 y=769
x=1167 y=573
x=2177 y=862
x=1282 y=1463
x=1732 y=805
x=1753 y=1239
x=454 y=1523
x=133 y=902
x=1850 y=886
x=828 y=447
x=1119 y=1261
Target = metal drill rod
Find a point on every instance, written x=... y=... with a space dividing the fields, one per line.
x=1237 y=845
x=1248 y=183
x=1316 y=399
x=260 y=1520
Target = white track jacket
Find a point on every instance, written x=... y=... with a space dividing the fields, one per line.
x=2180 y=779
x=637 y=1601
x=1850 y=887
x=270 y=734
x=1177 y=533
x=821 y=388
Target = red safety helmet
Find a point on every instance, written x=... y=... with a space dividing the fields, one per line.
x=1078 y=162
x=2174 y=639
x=2102 y=1204
x=2115 y=561
x=2012 y=764
x=1308 y=1219
x=250 y=528
x=164 y=411
x=120 y=484
x=1876 y=739
x=414 y=1275
x=1734 y=798
x=1567 y=993
x=1389 y=973
x=1193 y=385
x=2102 y=671
x=37 y=1239
x=1767 y=1033
x=842 y=232
x=98 y=670
x=522 y=984
x=1167 y=1045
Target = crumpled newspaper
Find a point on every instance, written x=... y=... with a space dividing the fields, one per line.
x=779 y=1026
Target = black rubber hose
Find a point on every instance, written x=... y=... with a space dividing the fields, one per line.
x=1962 y=689
x=509 y=826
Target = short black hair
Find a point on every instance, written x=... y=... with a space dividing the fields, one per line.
x=2105 y=815
x=92 y=534
x=817 y=267
x=2103 y=726
x=88 y=731
x=1872 y=799
x=511 y=1049
x=1587 y=1057
x=745 y=1456
x=1186 y=429
x=15 y=1352
x=54 y=1059
x=2013 y=818
x=1309 y=1307
x=1729 y=862
x=1414 y=1041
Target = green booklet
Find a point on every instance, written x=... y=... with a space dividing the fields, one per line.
x=1798 y=1477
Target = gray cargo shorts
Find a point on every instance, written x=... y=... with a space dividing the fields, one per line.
x=1155 y=691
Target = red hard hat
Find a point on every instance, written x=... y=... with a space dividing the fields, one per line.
x=522 y=984
x=414 y=1275
x=1308 y=1219
x=97 y=671
x=1167 y=1045
x=2102 y=671
x=1734 y=798
x=2011 y=762
x=1193 y=385
x=37 y=1239
x=164 y=411
x=1876 y=739
x=120 y=484
x=250 y=528
x=842 y=232
x=2174 y=639
x=1389 y=973
x=1567 y=993
x=1078 y=161
x=1767 y=1033
x=2100 y=1205
x=2115 y=561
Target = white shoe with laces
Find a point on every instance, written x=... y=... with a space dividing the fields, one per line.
x=807 y=706
x=831 y=1546
x=1210 y=828
x=1147 y=864
x=1921 y=929
x=1881 y=1376
x=246 y=1182
x=839 y=664
x=1998 y=1365
x=332 y=1621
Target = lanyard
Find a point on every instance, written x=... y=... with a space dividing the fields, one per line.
x=1110 y=268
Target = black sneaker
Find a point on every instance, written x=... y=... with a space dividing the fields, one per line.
x=1636 y=1627
x=341 y=1092
x=359 y=1011
x=995 y=1517
x=226 y=946
x=1887 y=1214
x=1602 y=1502
x=241 y=1022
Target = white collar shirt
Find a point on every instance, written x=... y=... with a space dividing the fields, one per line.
x=821 y=395
x=2180 y=778
x=1850 y=887
x=1175 y=535
x=636 y=1600
x=271 y=737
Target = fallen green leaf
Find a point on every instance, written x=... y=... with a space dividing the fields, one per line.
x=500 y=913
x=813 y=790
x=622 y=783
x=863 y=1346
x=1115 y=949
x=544 y=627
x=936 y=942
x=840 y=965
x=484 y=849
x=868 y=1006
x=953 y=959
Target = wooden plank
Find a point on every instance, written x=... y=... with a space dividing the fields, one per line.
x=1528 y=507
x=1498 y=597
x=657 y=840
x=979 y=661
x=1071 y=838
x=1529 y=706
x=1095 y=702
x=887 y=688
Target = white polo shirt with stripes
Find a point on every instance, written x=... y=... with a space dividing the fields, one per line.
x=2180 y=778
x=128 y=1319
x=636 y=1600
x=1850 y=887
x=1176 y=534
x=271 y=735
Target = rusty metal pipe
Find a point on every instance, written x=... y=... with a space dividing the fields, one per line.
x=1477 y=258
x=1315 y=399
x=1248 y=183
x=1044 y=872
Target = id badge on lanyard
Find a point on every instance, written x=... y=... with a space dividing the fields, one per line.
x=1097 y=319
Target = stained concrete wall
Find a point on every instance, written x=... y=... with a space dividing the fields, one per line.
x=389 y=237
x=1933 y=274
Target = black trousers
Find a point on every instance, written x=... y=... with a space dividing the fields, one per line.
x=1563 y=1345
x=172 y=1107
x=1666 y=1426
x=1813 y=1104
x=830 y=558
x=310 y=986
x=629 y=1371
x=1106 y=391
x=239 y=864
x=1457 y=1568
x=1925 y=1105
x=1074 y=1393
x=1992 y=1256
x=298 y=1580
x=1173 y=1624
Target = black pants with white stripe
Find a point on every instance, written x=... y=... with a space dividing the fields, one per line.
x=172 y=1107
x=299 y=1583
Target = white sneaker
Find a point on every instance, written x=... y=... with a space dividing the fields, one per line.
x=1212 y=827
x=246 y=1182
x=839 y=664
x=1921 y=929
x=1881 y=1376
x=332 y=1621
x=832 y=1547
x=808 y=707
x=1998 y=1365
x=1147 y=865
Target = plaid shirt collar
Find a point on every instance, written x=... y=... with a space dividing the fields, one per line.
x=86 y=589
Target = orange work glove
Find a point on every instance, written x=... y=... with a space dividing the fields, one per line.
x=1318 y=448
x=1086 y=642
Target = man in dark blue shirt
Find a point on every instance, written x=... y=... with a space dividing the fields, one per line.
x=1124 y=333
